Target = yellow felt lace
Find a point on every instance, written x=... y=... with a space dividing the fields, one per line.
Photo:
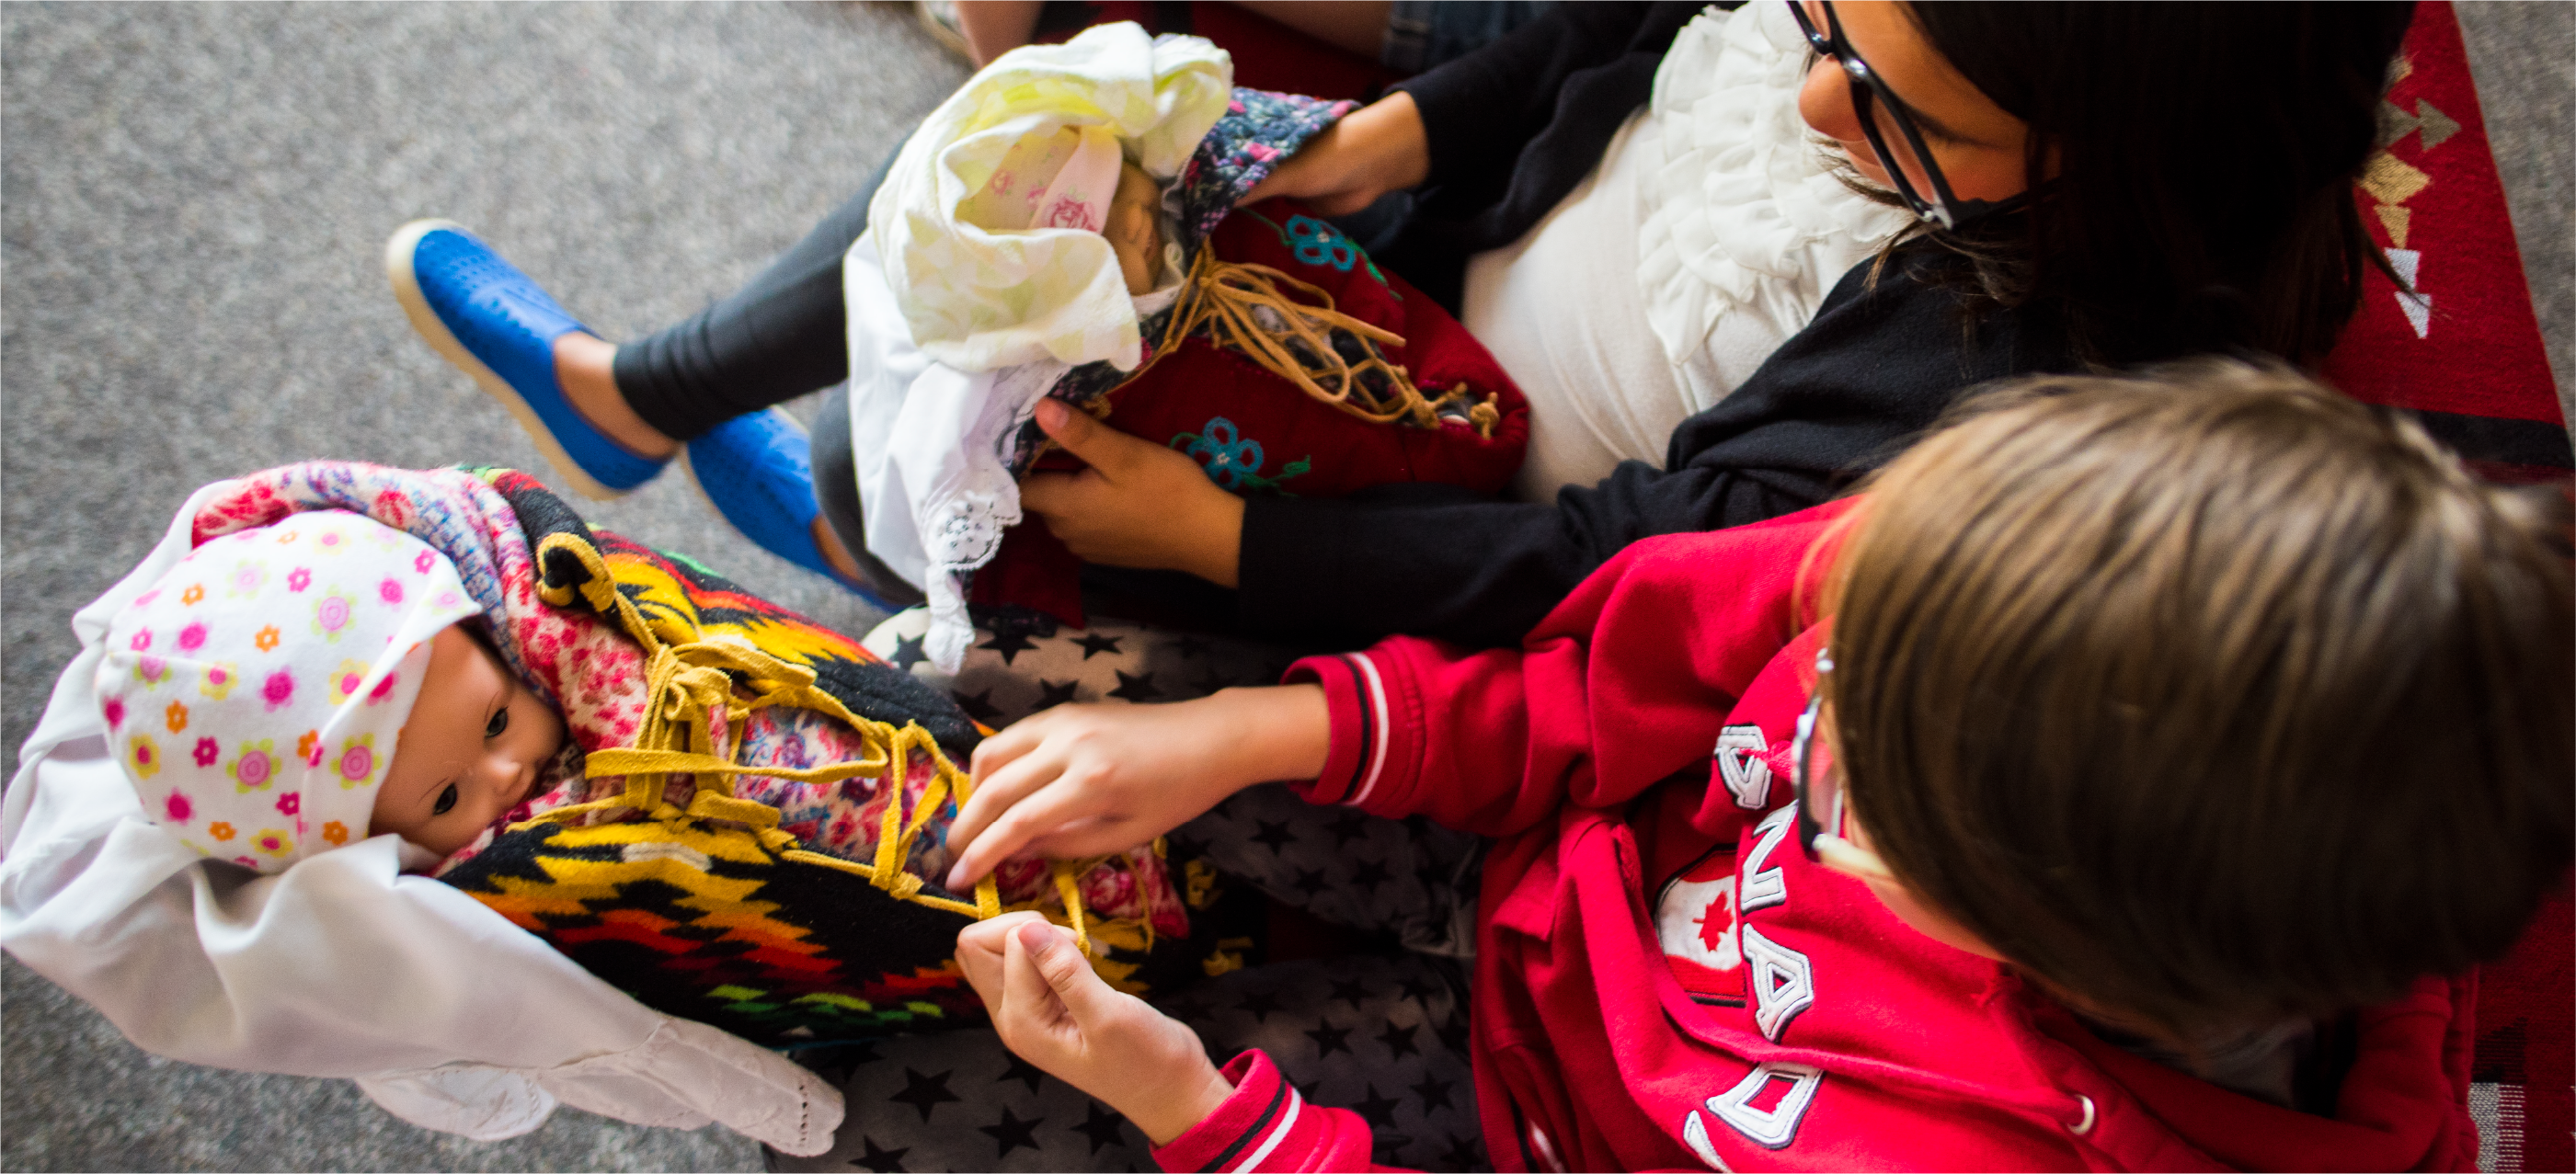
x=1294 y=341
x=686 y=683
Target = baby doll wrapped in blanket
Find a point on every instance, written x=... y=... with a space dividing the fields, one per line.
x=714 y=804
x=1060 y=227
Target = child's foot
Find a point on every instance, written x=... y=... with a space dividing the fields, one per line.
x=758 y=471
x=496 y=325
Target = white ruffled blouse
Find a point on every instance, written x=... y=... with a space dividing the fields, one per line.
x=1710 y=232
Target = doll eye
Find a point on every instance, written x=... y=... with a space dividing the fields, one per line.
x=446 y=801
x=500 y=721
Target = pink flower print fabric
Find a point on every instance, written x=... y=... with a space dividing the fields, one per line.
x=846 y=819
x=281 y=661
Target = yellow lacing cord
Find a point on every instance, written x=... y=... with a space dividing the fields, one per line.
x=684 y=683
x=1223 y=295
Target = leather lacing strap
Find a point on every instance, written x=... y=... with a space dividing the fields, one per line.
x=686 y=683
x=1244 y=310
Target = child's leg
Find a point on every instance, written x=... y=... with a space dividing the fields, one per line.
x=994 y=27
x=782 y=335
x=1384 y=1037
x=611 y=416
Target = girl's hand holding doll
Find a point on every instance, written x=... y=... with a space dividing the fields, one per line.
x=1138 y=505
x=1051 y=1010
x=1143 y=505
x=1083 y=779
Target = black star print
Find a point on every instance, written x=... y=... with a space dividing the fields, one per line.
x=907 y=653
x=1051 y=694
x=1351 y=826
x=1399 y=1040
x=1101 y=1126
x=1434 y=1093
x=1350 y=992
x=1010 y=642
x=1380 y=1111
x=1013 y=1133
x=925 y=1092
x=1328 y=1039
x=1260 y=1004
x=1370 y=873
x=1310 y=881
x=1435 y=879
x=977 y=705
x=1419 y=989
x=1191 y=647
x=881 y=1160
x=1023 y=1071
x=1276 y=835
x=1138 y=687
x=1464 y=1154
x=1093 y=643
x=1453 y=1034
x=1209 y=682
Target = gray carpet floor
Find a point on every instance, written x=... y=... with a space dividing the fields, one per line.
x=192 y=203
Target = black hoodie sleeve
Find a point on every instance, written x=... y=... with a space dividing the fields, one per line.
x=1515 y=125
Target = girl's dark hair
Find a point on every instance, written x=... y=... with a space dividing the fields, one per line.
x=2205 y=154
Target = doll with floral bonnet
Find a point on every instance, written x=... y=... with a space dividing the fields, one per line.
x=298 y=687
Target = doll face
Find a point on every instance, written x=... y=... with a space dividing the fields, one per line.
x=470 y=752
x=1135 y=230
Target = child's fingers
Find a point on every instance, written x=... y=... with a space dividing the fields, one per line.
x=1011 y=833
x=1008 y=788
x=979 y=952
x=1029 y=1000
x=1091 y=836
x=1100 y=446
x=1014 y=740
x=1068 y=977
x=1057 y=495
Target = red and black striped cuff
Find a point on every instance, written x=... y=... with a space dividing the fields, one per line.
x=1250 y=1126
x=1355 y=693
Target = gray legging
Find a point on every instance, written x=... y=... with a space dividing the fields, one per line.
x=782 y=335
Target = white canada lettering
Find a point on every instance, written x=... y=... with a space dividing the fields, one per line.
x=1782 y=980
x=1747 y=777
x=1763 y=885
x=1695 y=1134
x=1772 y=1128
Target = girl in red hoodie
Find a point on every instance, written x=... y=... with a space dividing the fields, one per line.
x=2173 y=750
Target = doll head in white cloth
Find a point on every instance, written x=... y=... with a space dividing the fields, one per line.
x=297 y=687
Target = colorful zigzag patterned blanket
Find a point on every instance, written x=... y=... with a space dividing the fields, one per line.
x=723 y=837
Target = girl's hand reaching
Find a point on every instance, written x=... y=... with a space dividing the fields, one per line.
x=1078 y=780
x=1379 y=148
x=1052 y=1011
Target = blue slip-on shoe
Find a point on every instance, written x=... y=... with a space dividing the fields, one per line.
x=758 y=471
x=494 y=324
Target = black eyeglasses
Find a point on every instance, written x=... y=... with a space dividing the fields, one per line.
x=1819 y=794
x=1944 y=208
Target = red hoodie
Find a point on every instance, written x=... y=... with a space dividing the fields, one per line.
x=1663 y=980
